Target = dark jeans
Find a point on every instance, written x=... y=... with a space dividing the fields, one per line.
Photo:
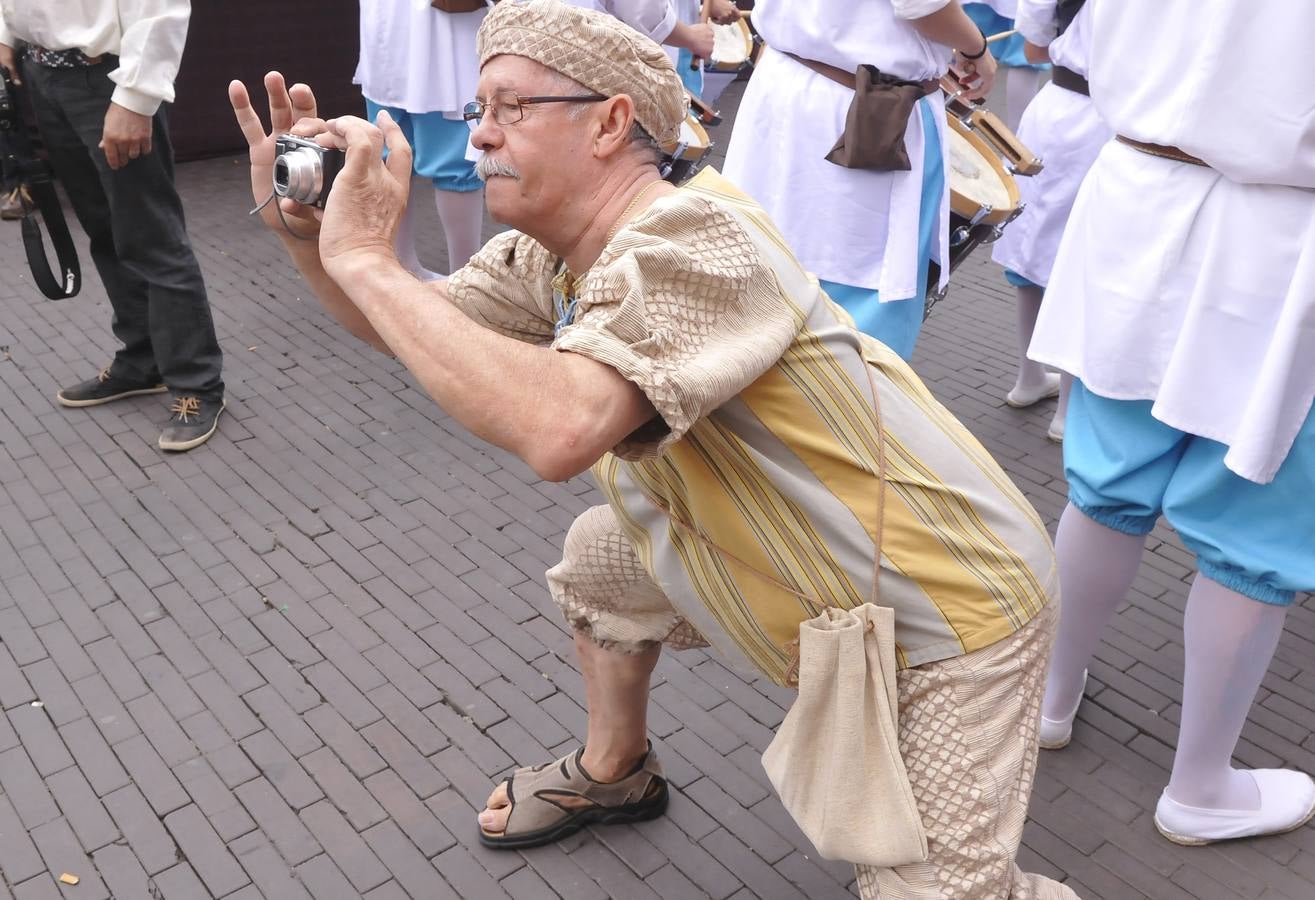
x=138 y=238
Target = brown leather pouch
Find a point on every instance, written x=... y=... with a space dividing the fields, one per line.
x=875 y=125
x=457 y=6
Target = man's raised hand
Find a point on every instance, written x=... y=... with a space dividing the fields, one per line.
x=290 y=111
x=369 y=194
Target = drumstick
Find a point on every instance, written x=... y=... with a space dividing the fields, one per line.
x=1002 y=35
x=705 y=13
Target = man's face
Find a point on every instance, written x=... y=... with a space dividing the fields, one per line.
x=547 y=149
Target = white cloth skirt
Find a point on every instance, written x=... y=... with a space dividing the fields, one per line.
x=1063 y=128
x=1176 y=285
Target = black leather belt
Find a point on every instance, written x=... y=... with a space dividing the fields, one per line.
x=1070 y=80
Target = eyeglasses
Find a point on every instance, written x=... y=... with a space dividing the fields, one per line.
x=509 y=108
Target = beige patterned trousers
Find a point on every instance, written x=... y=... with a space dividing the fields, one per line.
x=968 y=735
x=967 y=725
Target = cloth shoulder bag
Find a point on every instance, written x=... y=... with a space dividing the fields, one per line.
x=835 y=760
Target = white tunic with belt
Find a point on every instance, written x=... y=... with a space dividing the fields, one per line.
x=1065 y=130
x=418 y=59
x=850 y=226
x=1195 y=287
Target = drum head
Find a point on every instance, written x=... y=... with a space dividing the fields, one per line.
x=977 y=176
x=732 y=45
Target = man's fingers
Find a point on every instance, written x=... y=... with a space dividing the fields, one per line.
x=303 y=102
x=329 y=139
x=308 y=127
x=364 y=144
x=280 y=104
x=399 y=150
x=111 y=153
x=246 y=116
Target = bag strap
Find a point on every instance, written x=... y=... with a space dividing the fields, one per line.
x=792 y=672
x=46 y=200
x=22 y=161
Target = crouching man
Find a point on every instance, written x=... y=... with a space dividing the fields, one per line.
x=760 y=457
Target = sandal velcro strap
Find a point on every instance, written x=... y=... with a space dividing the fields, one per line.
x=555 y=800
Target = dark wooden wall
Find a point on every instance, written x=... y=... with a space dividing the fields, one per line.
x=315 y=41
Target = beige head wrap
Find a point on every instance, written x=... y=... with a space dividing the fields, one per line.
x=593 y=48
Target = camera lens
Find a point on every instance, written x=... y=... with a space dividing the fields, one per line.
x=281 y=176
x=299 y=175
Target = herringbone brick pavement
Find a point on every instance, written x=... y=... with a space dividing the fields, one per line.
x=292 y=663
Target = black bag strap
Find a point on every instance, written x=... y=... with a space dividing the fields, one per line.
x=28 y=169
x=45 y=200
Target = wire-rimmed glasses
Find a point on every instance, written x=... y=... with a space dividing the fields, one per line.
x=509 y=107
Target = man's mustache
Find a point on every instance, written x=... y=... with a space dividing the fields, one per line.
x=490 y=166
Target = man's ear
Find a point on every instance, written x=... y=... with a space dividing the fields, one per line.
x=613 y=122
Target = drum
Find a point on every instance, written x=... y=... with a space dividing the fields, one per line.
x=983 y=199
x=732 y=48
x=981 y=189
x=682 y=159
x=1018 y=158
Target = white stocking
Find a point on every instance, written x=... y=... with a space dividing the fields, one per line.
x=1096 y=569
x=406 y=246
x=1021 y=85
x=1230 y=640
x=1061 y=406
x=462 y=214
x=1031 y=375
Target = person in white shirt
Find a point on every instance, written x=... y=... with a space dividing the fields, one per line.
x=419 y=63
x=1182 y=301
x=690 y=12
x=101 y=75
x=867 y=234
x=657 y=20
x=1022 y=76
x=1061 y=125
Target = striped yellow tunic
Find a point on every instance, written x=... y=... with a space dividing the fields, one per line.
x=766 y=442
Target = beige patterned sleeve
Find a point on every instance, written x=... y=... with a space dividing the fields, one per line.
x=507 y=288
x=682 y=304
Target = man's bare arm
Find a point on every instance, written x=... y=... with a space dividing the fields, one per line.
x=559 y=412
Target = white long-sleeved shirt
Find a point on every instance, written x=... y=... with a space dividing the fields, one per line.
x=147 y=36
x=1038 y=22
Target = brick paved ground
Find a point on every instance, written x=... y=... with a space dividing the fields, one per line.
x=293 y=663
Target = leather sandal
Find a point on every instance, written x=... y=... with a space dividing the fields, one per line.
x=555 y=800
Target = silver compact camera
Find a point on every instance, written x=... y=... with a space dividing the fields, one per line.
x=303 y=170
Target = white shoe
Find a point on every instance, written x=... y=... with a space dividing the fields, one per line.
x=1054 y=734
x=1056 y=431
x=1287 y=801
x=1049 y=388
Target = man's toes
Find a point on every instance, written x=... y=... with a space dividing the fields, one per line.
x=494 y=821
x=498 y=798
